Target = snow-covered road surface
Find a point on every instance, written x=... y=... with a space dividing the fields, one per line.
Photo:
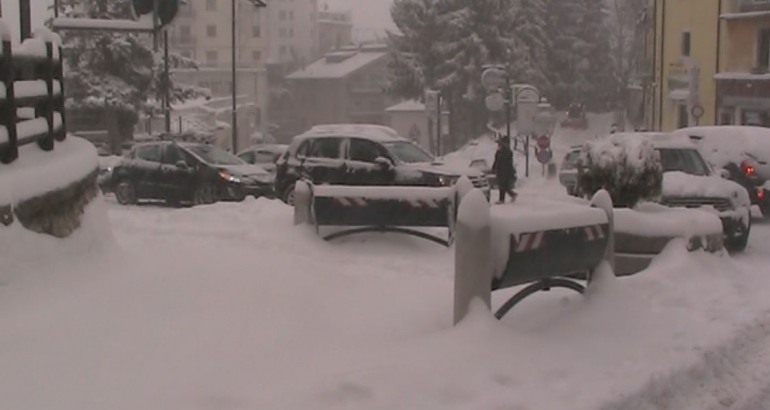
x=231 y=307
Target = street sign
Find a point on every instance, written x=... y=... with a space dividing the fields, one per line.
x=525 y=120
x=493 y=79
x=528 y=94
x=543 y=142
x=544 y=155
x=495 y=101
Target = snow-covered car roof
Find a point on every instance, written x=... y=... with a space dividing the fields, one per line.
x=657 y=139
x=274 y=148
x=725 y=143
x=373 y=132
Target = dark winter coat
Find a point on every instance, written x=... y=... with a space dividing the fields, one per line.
x=503 y=166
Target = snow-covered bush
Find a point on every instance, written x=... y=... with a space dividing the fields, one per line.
x=628 y=168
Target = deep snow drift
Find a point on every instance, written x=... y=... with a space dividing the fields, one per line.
x=231 y=307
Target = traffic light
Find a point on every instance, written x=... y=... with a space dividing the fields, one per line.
x=167 y=9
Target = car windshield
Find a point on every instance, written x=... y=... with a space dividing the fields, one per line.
x=215 y=156
x=571 y=160
x=408 y=152
x=686 y=160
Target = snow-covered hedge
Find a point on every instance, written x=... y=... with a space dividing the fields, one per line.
x=628 y=168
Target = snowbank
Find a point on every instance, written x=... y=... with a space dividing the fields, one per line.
x=680 y=184
x=37 y=172
x=653 y=220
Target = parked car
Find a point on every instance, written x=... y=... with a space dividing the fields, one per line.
x=743 y=151
x=264 y=155
x=689 y=181
x=568 y=173
x=186 y=172
x=360 y=154
x=485 y=168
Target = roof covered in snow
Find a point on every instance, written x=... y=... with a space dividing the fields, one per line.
x=340 y=63
x=410 y=105
x=369 y=131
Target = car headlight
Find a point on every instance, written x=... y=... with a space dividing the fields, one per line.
x=229 y=177
x=447 y=180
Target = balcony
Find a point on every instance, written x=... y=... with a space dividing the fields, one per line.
x=746 y=9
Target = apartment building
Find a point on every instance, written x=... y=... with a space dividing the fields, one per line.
x=743 y=81
x=292 y=31
x=335 y=30
x=708 y=63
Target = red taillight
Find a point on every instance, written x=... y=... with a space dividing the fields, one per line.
x=760 y=193
x=748 y=169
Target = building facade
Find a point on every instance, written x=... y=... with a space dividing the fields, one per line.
x=335 y=30
x=345 y=86
x=708 y=63
x=743 y=83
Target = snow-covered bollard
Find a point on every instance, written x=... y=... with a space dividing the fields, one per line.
x=603 y=201
x=462 y=188
x=473 y=259
x=303 y=201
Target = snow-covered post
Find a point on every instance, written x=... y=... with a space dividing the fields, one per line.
x=603 y=200
x=303 y=201
x=473 y=264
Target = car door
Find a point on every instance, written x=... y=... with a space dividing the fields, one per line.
x=146 y=171
x=177 y=173
x=247 y=156
x=361 y=163
x=324 y=163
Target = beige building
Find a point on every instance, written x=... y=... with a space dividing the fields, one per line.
x=292 y=31
x=335 y=29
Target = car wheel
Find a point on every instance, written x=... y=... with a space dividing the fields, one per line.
x=125 y=193
x=739 y=243
x=288 y=195
x=205 y=194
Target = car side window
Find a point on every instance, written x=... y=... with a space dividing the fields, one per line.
x=364 y=150
x=303 y=149
x=149 y=153
x=172 y=154
x=248 y=157
x=325 y=148
x=263 y=157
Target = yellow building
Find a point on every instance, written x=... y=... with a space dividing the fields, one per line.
x=707 y=63
x=743 y=83
x=683 y=58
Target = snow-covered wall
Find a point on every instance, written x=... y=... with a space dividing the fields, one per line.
x=47 y=192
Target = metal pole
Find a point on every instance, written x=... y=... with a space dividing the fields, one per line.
x=526 y=157
x=25 y=19
x=508 y=106
x=166 y=83
x=56 y=8
x=438 y=124
x=235 y=102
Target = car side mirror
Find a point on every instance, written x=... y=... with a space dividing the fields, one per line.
x=383 y=163
x=182 y=165
x=724 y=173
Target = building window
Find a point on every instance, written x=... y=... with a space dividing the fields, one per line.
x=211 y=5
x=256 y=31
x=686 y=39
x=186 y=54
x=211 y=57
x=256 y=56
x=683 y=117
x=763 y=48
x=282 y=15
x=211 y=31
x=185 y=34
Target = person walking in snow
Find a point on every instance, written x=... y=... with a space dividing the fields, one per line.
x=504 y=170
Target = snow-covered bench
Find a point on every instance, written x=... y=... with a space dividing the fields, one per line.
x=31 y=93
x=539 y=242
x=358 y=209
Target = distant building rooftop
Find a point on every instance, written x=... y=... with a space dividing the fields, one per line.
x=407 y=106
x=341 y=63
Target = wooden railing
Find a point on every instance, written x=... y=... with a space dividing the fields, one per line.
x=31 y=93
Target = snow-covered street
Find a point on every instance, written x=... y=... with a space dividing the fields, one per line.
x=231 y=307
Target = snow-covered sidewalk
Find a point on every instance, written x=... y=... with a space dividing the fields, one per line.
x=229 y=306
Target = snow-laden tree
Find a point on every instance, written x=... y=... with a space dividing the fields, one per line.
x=529 y=59
x=115 y=73
x=597 y=83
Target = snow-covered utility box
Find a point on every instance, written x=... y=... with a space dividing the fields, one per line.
x=536 y=241
x=358 y=209
x=31 y=93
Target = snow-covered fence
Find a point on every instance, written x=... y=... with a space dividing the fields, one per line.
x=358 y=209
x=540 y=243
x=31 y=93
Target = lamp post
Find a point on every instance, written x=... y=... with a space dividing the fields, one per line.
x=234 y=79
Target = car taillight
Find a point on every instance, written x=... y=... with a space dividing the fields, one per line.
x=761 y=193
x=748 y=169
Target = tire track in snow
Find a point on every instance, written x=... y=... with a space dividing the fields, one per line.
x=733 y=376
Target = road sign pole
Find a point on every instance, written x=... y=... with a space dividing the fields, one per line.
x=508 y=106
x=438 y=124
x=526 y=157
